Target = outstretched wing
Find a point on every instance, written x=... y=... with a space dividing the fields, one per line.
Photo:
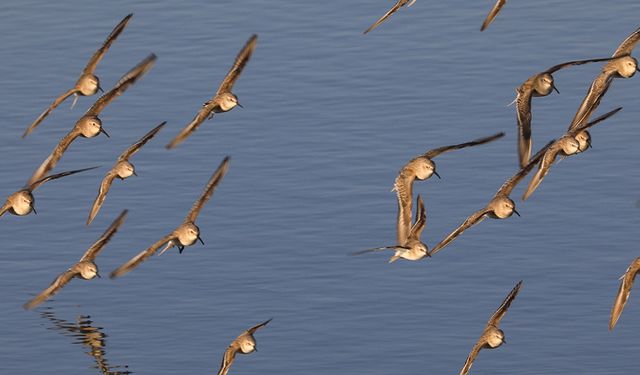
x=421 y=220
x=227 y=359
x=92 y=253
x=472 y=220
x=41 y=181
x=591 y=101
x=626 y=47
x=51 y=161
x=576 y=130
x=5 y=207
x=472 y=356
x=141 y=257
x=99 y=54
x=403 y=187
x=102 y=195
x=46 y=112
x=253 y=329
x=437 y=151
x=241 y=60
x=376 y=249
x=545 y=164
x=555 y=68
x=208 y=190
x=511 y=183
x=125 y=82
x=497 y=316
x=57 y=284
x=391 y=11
x=202 y=115
x=492 y=14
x=623 y=292
x=141 y=142
x=523 y=112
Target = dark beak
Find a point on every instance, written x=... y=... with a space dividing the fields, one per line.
x=637 y=69
x=97 y=274
x=516 y=212
x=104 y=132
x=135 y=174
x=100 y=89
x=33 y=209
x=555 y=88
x=239 y=105
x=200 y=239
x=255 y=348
x=589 y=144
x=437 y=175
x=504 y=341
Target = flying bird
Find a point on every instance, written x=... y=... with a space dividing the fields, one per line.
x=492 y=14
x=88 y=83
x=623 y=292
x=399 y=4
x=244 y=344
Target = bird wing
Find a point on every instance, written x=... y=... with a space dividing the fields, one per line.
x=576 y=130
x=208 y=190
x=102 y=194
x=492 y=14
x=46 y=112
x=57 y=284
x=376 y=249
x=51 y=161
x=523 y=114
x=591 y=101
x=141 y=142
x=555 y=68
x=228 y=358
x=99 y=54
x=623 y=292
x=391 y=11
x=91 y=254
x=549 y=157
x=626 y=47
x=141 y=257
x=421 y=220
x=511 y=183
x=403 y=187
x=123 y=84
x=253 y=329
x=437 y=151
x=5 y=207
x=202 y=115
x=497 y=316
x=241 y=60
x=41 y=181
x=472 y=355
x=472 y=220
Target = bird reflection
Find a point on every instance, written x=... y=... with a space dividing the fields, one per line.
x=85 y=333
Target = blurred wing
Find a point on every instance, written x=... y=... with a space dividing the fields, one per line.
x=497 y=316
x=227 y=359
x=421 y=220
x=46 y=112
x=435 y=152
x=241 y=60
x=376 y=249
x=471 y=221
x=523 y=112
x=125 y=82
x=93 y=251
x=545 y=164
x=208 y=190
x=51 y=161
x=403 y=187
x=55 y=286
x=253 y=329
x=5 y=207
x=492 y=14
x=555 y=68
x=472 y=356
x=202 y=115
x=391 y=11
x=99 y=54
x=511 y=183
x=591 y=101
x=102 y=194
x=578 y=129
x=623 y=292
x=141 y=257
x=626 y=47
x=41 y=181
x=138 y=145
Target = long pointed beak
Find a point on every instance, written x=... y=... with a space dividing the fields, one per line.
x=516 y=212
x=33 y=208
x=239 y=105
x=104 y=132
x=589 y=145
x=504 y=341
x=437 y=175
x=200 y=239
x=100 y=89
x=255 y=348
x=97 y=274
x=556 y=89
x=135 y=174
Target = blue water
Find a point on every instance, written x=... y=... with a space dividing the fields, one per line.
x=330 y=117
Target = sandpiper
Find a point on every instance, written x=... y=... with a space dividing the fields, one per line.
x=88 y=83
x=224 y=100
x=540 y=84
x=399 y=4
x=412 y=248
x=624 y=291
x=421 y=168
x=22 y=201
x=85 y=269
x=244 y=344
x=90 y=125
x=492 y=14
x=122 y=170
x=492 y=336
x=186 y=234
x=565 y=146
x=500 y=206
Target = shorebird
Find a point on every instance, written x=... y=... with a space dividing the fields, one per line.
x=623 y=292
x=421 y=168
x=90 y=125
x=492 y=14
x=88 y=83
x=122 y=170
x=184 y=235
x=399 y=4
x=567 y=145
x=500 y=206
x=621 y=66
x=224 y=100
x=492 y=336
x=412 y=248
x=540 y=84
x=244 y=344
x=86 y=268
x=22 y=201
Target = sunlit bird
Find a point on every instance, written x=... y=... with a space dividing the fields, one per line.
x=244 y=344
x=492 y=14
x=624 y=291
x=399 y=4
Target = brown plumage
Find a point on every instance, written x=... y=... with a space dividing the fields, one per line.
x=399 y=4
x=244 y=344
x=497 y=7
x=623 y=292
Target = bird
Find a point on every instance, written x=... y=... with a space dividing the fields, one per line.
x=90 y=125
x=85 y=268
x=539 y=84
x=184 y=235
x=224 y=100
x=22 y=202
x=623 y=292
x=568 y=144
x=492 y=336
x=412 y=248
x=122 y=170
x=399 y=4
x=422 y=168
x=500 y=206
x=492 y=14
x=88 y=83
x=245 y=344
x=622 y=65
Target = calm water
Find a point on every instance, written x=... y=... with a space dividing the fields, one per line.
x=330 y=116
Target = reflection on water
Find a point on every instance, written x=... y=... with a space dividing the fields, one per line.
x=85 y=333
